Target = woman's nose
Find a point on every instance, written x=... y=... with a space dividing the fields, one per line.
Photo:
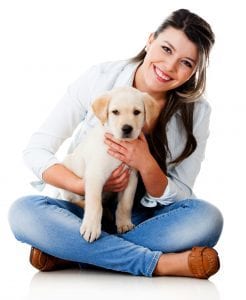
x=170 y=65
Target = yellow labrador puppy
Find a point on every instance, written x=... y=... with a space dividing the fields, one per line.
x=123 y=112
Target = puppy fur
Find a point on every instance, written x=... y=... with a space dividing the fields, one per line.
x=123 y=112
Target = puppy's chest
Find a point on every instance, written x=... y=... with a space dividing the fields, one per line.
x=95 y=151
x=101 y=159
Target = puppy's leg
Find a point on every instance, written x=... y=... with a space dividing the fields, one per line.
x=125 y=203
x=91 y=224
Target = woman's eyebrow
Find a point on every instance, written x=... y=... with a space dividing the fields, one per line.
x=173 y=48
x=170 y=45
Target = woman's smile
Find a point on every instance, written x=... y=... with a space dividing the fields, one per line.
x=170 y=61
x=160 y=75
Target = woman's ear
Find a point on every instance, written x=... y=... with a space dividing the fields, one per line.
x=100 y=108
x=150 y=40
x=152 y=111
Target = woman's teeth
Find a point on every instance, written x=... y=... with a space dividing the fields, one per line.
x=161 y=74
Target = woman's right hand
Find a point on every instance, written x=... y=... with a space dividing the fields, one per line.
x=118 y=180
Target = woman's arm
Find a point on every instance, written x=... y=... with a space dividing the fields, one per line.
x=136 y=154
x=178 y=182
x=71 y=110
x=154 y=179
x=61 y=177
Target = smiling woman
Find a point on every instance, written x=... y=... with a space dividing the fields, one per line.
x=177 y=72
x=172 y=69
x=171 y=59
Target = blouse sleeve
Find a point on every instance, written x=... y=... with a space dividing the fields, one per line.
x=58 y=126
x=181 y=177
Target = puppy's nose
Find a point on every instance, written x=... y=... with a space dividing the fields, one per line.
x=127 y=129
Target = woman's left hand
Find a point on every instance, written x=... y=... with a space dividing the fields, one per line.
x=132 y=153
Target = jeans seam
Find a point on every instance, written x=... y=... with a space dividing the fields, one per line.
x=153 y=263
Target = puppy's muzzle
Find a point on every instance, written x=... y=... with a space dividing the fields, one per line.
x=126 y=130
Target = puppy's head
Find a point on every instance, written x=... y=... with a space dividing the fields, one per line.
x=125 y=111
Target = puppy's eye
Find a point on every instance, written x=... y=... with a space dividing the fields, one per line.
x=115 y=112
x=136 y=112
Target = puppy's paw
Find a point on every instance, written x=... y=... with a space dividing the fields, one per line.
x=124 y=227
x=90 y=230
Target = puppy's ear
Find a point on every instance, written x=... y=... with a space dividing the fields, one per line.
x=151 y=112
x=100 y=108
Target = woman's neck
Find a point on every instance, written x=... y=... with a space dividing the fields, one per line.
x=139 y=84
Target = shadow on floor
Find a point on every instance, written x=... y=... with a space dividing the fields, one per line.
x=68 y=284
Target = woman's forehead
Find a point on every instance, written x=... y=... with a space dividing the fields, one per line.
x=178 y=40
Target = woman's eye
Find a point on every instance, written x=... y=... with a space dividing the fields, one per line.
x=167 y=49
x=187 y=63
x=115 y=112
x=136 y=112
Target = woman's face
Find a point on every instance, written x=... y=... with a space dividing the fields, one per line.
x=171 y=59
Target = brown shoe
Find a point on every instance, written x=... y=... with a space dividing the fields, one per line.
x=203 y=262
x=45 y=262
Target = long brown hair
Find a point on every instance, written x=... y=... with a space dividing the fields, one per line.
x=181 y=99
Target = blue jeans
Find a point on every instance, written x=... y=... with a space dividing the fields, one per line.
x=52 y=226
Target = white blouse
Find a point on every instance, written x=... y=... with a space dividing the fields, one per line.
x=74 y=112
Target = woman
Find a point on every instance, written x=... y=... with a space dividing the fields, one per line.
x=174 y=230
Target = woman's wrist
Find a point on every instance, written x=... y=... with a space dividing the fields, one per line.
x=154 y=179
x=147 y=166
x=78 y=186
x=58 y=175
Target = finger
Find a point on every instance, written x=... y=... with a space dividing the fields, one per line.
x=108 y=135
x=120 y=189
x=116 y=147
x=117 y=185
x=123 y=176
x=114 y=187
x=120 y=186
x=119 y=179
x=110 y=140
x=118 y=155
x=118 y=171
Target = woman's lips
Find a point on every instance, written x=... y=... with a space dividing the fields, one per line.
x=161 y=76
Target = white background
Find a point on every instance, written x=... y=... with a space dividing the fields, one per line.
x=45 y=45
